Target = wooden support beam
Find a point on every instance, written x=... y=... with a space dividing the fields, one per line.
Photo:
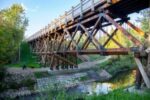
x=61 y=41
x=112 y=38
x=92 y=33
x=135 y=28
x=91 y=38
x=65 y=60
x=88 y=42
x=143 y=73
x=72 y=36
x=127 y=34
x=114 y=51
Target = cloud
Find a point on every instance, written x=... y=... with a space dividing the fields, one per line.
x=24 y=7
x=27 y=9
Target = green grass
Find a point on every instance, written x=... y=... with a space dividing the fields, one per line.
x=26 y=57
x=120 y=95
x=116 y=64
x=28 y=64
x=96 y=57
x=79 y=61
x=41 y=74
x=124 y=79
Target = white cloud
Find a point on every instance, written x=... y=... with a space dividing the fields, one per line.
x=27 y=9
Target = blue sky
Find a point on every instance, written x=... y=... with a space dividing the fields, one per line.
x=41 y=12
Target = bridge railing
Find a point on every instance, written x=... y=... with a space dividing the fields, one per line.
x=70 y=15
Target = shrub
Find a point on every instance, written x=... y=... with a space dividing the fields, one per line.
x=41 y=74
x=28 y=83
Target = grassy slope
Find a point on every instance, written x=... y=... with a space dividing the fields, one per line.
x=120 y=95
x=117 y=64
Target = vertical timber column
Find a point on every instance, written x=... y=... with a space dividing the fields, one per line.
x=143 y=73
x=57 y=64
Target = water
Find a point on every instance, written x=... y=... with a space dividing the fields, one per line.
x=122 y=80
x=92 y=88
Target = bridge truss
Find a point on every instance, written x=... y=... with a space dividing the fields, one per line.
x=62 y=42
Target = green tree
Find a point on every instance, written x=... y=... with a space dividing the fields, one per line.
x=145 y=20
x=13 y=23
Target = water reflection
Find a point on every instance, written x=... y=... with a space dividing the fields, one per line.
x=93 y=88
x=122 y=80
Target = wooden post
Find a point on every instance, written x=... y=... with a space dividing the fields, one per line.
x=92 y=5
x=72 y=11
x=143 y=73
x=81 y=8
x=66 y=20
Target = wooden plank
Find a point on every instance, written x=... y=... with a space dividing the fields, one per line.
x=65 y=60
x=139 y=31
x=143 y=73
x=114 y=51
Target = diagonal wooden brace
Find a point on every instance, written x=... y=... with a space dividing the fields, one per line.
x=65 y=60
x=143 y=73
x=127 y=34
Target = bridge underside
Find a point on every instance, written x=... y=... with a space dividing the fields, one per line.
x=92 y=32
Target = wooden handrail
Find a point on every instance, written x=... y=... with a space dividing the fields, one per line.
x=86 y=5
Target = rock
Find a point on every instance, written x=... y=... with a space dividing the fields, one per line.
x=93 y=75
x=104 y=75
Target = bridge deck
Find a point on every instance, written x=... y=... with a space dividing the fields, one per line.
x=87 y=9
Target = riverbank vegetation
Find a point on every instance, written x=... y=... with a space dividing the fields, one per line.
x=26 y=57
x=118 y=94
x=13 y=23
x=117 y=64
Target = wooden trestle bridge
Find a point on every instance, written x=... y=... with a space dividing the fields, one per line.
x=79 y=31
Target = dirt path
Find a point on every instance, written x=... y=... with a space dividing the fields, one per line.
x=90 y=64
x=82 y=66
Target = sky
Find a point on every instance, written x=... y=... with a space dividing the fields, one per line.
x=42 y=12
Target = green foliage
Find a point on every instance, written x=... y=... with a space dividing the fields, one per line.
x=145 y=20
x=12 y=27
x=119 y=95
x=123 y=79
x=26 y=57
x=2 y=76
x=96 y=57
x=41 y=74
x=83 y=78
x=79 y=61
x=2 y=73
x=117 y=64
x=28 y=83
